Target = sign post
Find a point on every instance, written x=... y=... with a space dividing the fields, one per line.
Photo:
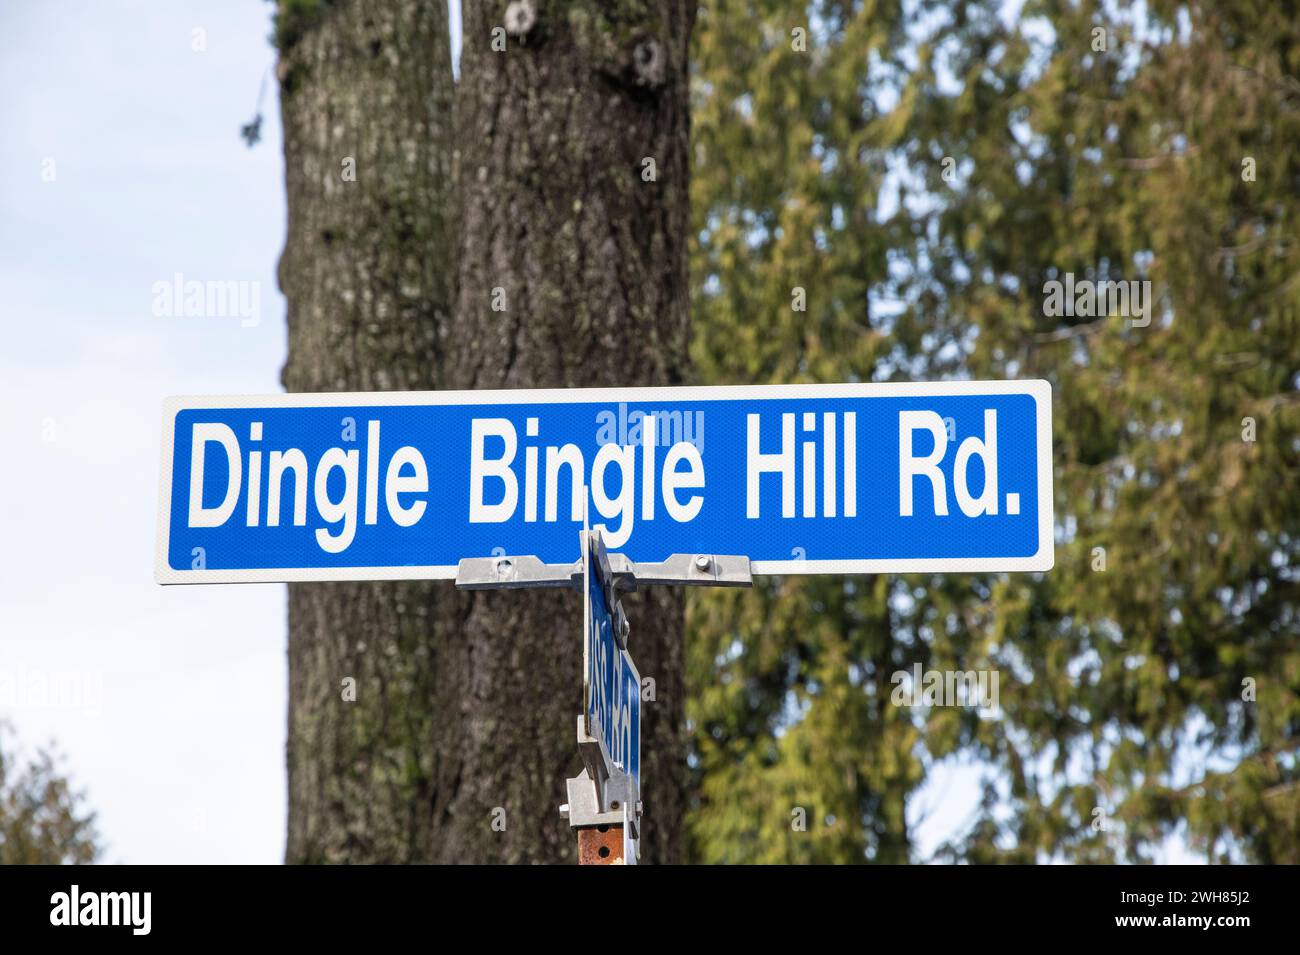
x=604 y=801
x=487 y=488
x=609 y=733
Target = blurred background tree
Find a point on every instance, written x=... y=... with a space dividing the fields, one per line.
x=881 y=191
x=43 y=821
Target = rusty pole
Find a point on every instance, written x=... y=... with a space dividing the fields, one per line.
x=600 y=845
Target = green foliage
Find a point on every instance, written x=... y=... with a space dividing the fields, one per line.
x=1122 y=689
x=791 y=703
x=42 y=821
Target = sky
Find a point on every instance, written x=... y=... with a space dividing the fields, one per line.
x=122 y=174
x=122 y=166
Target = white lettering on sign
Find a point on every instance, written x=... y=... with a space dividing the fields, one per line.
x=782 y=462
x=911 y=467
x=201 y=516
x=481 y=468
x=614 y=692
x=407 y=474
x=810 y=463
x=492 y=476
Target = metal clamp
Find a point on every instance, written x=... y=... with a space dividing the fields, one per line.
x=515 y=573
x=597 y=798
x=527 y=571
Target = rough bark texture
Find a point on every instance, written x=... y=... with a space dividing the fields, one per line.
x=365 y=97
x=466 y=704
x=558 y=213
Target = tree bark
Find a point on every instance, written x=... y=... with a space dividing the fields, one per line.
x=366 y=103
x=571 y=169
x=466 y=704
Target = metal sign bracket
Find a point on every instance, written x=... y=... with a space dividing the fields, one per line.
x=603 y=804
x=680 y=570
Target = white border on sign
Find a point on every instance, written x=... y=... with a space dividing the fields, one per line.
x=1038 y=389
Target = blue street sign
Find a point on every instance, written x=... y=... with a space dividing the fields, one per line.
x=802 y=479
x=611 y=684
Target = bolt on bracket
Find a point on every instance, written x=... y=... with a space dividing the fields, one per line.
x=527 y=571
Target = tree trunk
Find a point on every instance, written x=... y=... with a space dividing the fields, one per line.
x=571 y=169
x=365 y=96
x=466 y=705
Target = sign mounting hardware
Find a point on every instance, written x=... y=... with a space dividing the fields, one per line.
x=604 y=801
